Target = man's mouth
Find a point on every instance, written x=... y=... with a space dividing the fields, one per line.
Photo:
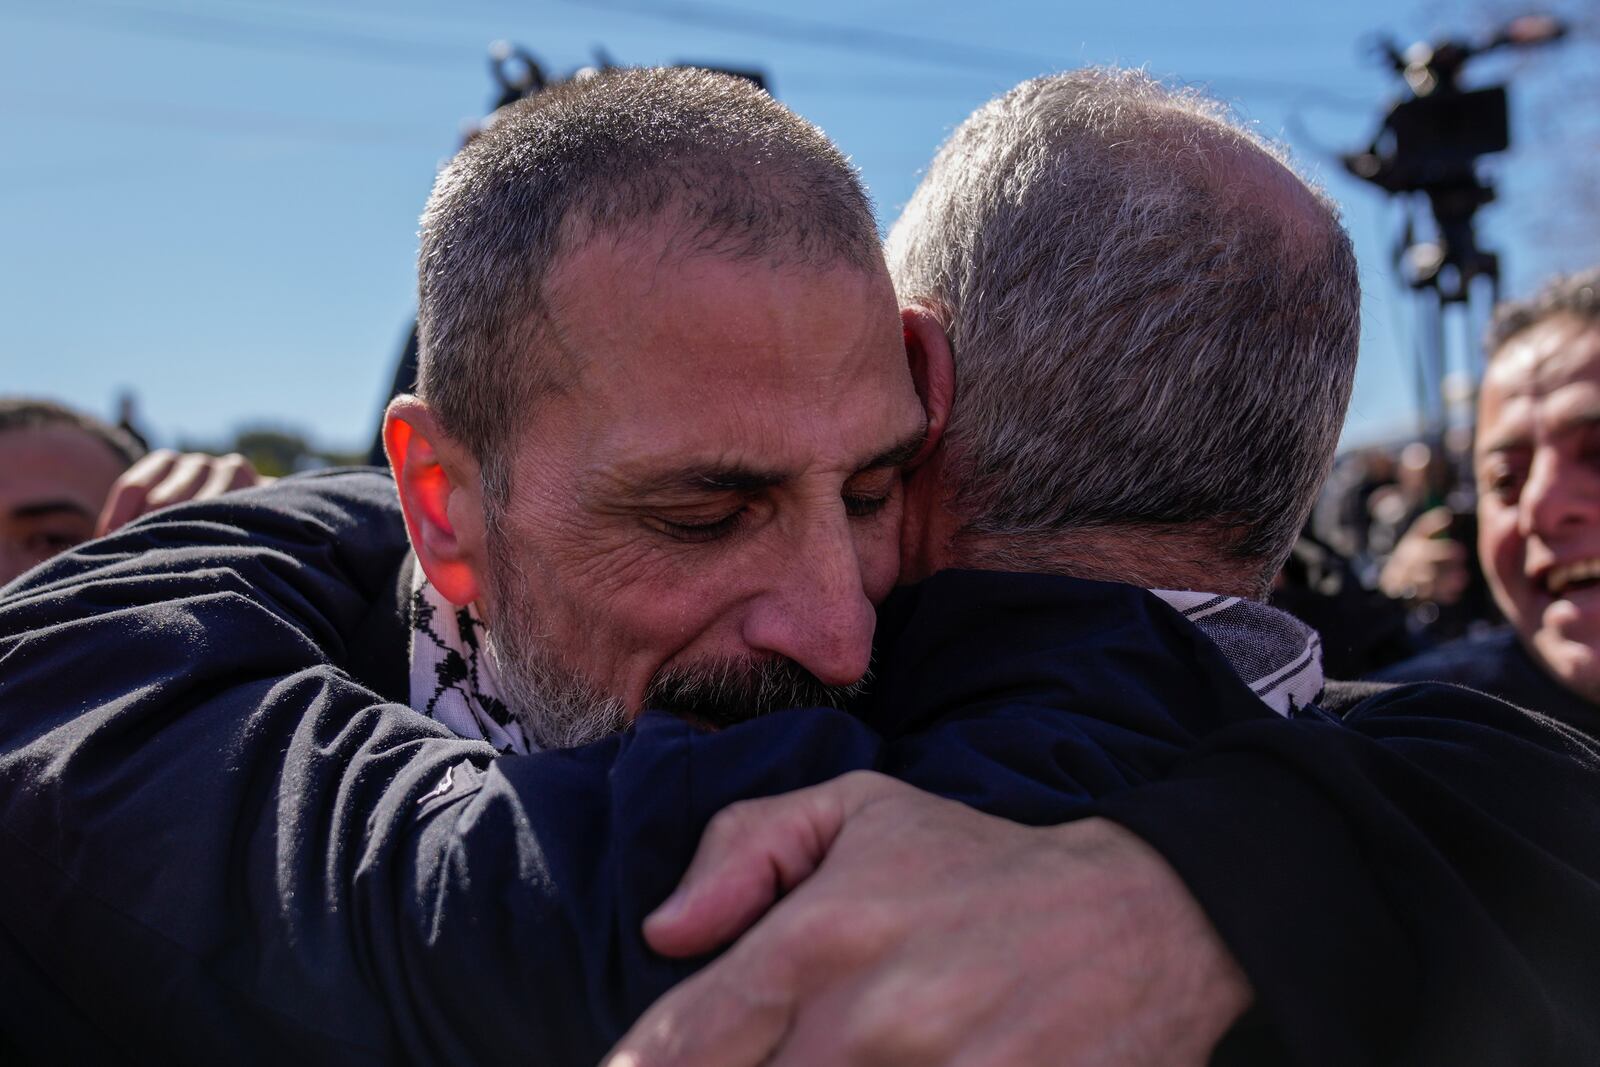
x=1570 y=577
x=720 y=693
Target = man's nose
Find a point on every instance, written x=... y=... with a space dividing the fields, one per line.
x=1561 y=496
x=814 y=610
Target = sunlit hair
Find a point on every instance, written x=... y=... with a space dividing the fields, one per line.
x=1139 y=344
x=1577 y=295
x=734 y=173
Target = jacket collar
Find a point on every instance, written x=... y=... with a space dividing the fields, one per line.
x=964 y=640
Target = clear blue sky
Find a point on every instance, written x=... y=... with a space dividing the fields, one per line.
x=213 y=203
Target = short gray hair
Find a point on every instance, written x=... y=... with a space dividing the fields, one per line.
x=1134 y=346
x=1577 y=295
x=737 y=173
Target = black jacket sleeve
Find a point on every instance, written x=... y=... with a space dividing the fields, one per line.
x=220 y=848
x=1416 y=884
x=170 y=733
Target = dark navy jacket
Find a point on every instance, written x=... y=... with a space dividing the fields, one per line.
x=1497 y=664
x=222 y=844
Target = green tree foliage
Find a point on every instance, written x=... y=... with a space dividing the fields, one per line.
x=277 y=450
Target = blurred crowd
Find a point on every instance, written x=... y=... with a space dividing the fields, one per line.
x=1385 y=568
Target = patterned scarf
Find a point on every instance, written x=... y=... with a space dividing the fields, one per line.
x=451 y=678
x=1278 y=656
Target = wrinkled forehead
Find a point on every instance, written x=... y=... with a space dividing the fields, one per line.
x=1541 y=381
x=642 y=305
x=686 y=356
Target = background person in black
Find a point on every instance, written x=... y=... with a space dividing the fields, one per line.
x=1537 y=459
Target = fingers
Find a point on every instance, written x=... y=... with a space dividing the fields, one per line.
x=183 y=482
x=789 y=991
x=1435 y=522
x=751 y=853
x=1442 y=551
x=164 y=477
x=1426 y=564
x=127 y=499
x=706 y=1021
x=228 y=472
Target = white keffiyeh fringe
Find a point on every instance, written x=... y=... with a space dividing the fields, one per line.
x=1278 y=656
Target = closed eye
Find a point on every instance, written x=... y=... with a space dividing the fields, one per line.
x=697 y=532
x=860 y=507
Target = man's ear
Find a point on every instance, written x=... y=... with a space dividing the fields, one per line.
x=441 y=495
x=933 y=371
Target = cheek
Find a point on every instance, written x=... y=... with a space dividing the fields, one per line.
x=597 y=591
x=1500 y=547
x=878 y=549
x=637 y=600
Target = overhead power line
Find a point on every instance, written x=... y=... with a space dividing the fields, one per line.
x=262 y=34
x=907 y=47
x=206 y=119
x=912 y=48
x=271 y=33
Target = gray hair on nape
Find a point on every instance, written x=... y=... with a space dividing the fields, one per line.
x=735 y=173
x=1138 y=345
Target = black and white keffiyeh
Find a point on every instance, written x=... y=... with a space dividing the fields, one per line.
x=451 y=678
x=1278 y=656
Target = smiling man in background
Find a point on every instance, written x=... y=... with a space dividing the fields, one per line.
x=1537 y=457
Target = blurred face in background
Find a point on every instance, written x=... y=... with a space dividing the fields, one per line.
x=53 y=482
x=1538 y=471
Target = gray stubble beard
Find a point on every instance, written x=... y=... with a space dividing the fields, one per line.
x=560 y=708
